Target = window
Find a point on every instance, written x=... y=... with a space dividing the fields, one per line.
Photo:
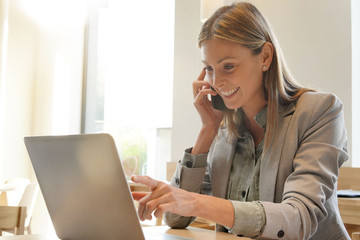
x=129 y=80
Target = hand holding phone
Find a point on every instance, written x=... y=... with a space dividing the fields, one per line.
x=210 y=117
x=217 y=102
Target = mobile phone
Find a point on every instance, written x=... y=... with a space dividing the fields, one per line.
x=217 y=102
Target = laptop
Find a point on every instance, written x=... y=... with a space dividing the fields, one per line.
x=85 y=189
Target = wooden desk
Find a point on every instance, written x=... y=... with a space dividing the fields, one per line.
x=192 y=233
x=350 y=213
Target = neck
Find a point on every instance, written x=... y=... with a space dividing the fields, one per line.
x=255 y=130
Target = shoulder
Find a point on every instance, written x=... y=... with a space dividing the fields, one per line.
x=317 y=103
x=318 y=97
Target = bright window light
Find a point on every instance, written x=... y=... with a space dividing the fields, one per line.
x=135 y=46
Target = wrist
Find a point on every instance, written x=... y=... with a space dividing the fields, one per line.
x=198 y=205
x=209 y=130
x=204 y=140
x=215 y=209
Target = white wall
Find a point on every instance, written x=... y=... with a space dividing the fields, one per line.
x=187 y=66
x=316 y=40
x=355 y=35
x=315 y=37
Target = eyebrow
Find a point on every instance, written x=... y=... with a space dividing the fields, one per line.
x=225 y=58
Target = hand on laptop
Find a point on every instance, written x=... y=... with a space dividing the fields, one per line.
x=163 y=198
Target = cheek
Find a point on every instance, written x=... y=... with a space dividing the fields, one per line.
x=254 y=77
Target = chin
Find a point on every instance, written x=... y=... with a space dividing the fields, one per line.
x=233 y=106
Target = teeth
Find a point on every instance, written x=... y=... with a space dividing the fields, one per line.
x=228 y=93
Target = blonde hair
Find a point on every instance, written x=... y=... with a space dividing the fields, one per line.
x=244 y=24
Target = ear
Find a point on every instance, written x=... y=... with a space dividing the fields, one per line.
x=267 y=55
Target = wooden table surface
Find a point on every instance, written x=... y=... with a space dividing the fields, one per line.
x=192 y=233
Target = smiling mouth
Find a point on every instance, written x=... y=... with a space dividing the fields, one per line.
x=229 y=92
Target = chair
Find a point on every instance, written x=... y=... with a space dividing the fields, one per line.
x=28 y=200
x=355 y=236
x=12 y=218
x=13 y=197
x=170 y=170
x=349 y=178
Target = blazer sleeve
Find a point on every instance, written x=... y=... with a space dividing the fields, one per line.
x=321 y=151
x=192 y=174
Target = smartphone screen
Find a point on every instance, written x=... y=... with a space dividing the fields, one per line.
x=217 y=102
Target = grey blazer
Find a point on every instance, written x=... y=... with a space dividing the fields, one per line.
x=298 y=175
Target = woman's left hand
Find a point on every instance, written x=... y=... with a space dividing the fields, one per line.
x=163 y=198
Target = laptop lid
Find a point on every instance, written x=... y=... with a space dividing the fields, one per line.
x=84 y=187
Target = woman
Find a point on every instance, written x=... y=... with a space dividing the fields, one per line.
x=266 y=166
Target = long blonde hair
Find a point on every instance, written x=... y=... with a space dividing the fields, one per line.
x=244 y=24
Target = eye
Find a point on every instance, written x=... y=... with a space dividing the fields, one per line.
x=208 y=69
x=228 y=67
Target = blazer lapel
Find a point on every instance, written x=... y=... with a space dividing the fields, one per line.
x=221 y=165
x=271 y=157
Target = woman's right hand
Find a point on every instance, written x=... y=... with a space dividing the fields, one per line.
x=210 y=117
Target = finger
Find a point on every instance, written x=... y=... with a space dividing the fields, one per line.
x=199 y=86
x=150 y=202
x=202 y=75
x=153 y=205
x=166 y=207
x=202 y=97
x=144 y=201
x=139 y=195
x=143 y=208
x=149 y=208
x=146 y=180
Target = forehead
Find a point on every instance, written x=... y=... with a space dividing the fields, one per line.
x=216 y=49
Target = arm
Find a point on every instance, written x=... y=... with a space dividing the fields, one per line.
x=191 y=178
x=308 y=193
x=173 y=199
x=165 y=198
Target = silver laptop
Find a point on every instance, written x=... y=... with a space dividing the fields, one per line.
x=84 y=187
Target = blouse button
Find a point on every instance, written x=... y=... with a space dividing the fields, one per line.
x=280 y=234
x=177 y=181
x=189 y=164
x=243 y=194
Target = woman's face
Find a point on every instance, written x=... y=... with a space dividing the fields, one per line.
x=234 y=72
